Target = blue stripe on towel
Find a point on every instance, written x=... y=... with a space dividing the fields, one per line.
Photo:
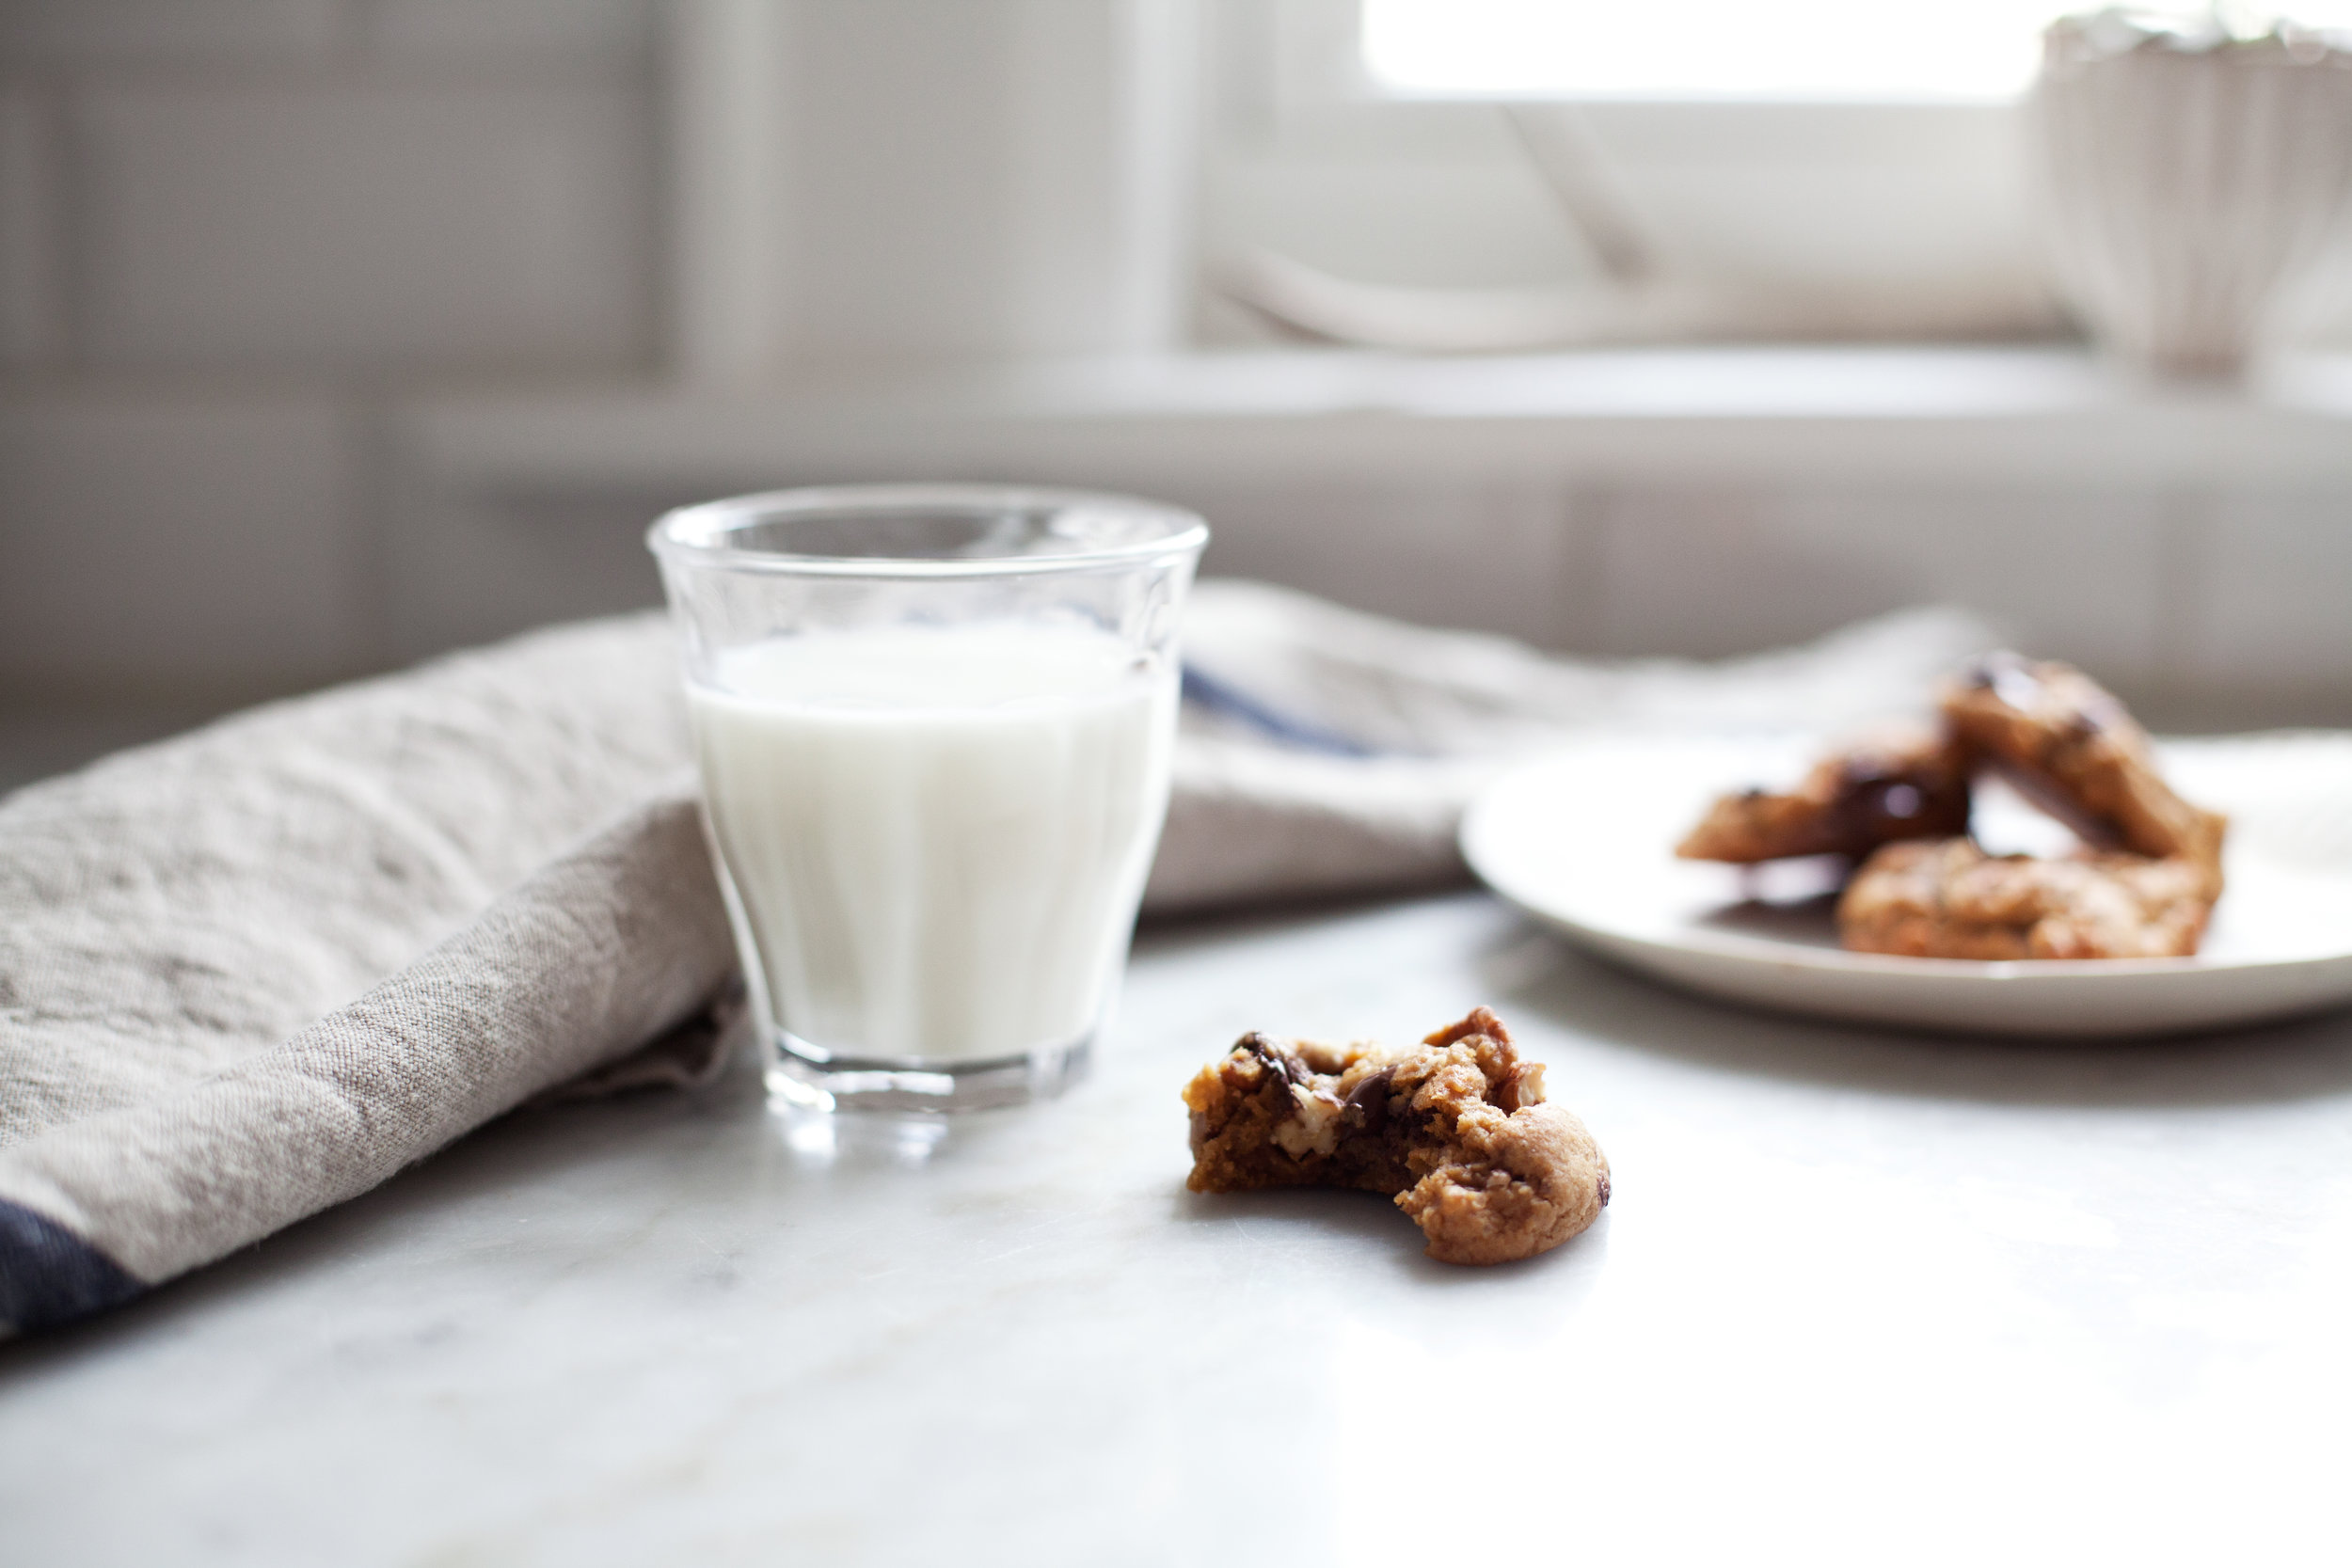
x=50 y=1276
x=1208 y=693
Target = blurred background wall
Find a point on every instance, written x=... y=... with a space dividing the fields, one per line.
x=233 y=235
x=334 y=333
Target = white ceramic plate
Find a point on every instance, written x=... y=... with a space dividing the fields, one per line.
x=1583 y=841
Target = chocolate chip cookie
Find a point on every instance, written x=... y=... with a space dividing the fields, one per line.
x=1952 y=900
x=1455 y=1130
x=1897 y=785
x=2068 y=744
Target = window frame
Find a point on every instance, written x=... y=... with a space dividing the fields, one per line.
x=1292 y=103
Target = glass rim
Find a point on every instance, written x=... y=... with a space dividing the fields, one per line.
x=697 y=534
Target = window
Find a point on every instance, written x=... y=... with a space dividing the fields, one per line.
x=1817 y=51
x=1817 y=168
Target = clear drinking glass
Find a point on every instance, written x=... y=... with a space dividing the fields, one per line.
x=934 y=724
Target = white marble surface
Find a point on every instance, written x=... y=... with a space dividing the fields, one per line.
x=1860 y=1296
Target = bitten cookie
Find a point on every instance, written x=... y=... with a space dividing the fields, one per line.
x=1899 y=785
x=1455 y=1130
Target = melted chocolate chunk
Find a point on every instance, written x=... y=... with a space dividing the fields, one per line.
x=1871 y=799
x=1278 y=1061
x=1368 y=1105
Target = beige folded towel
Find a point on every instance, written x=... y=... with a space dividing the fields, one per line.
x=254 y=970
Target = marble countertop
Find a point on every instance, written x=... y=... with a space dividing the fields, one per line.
x=1872 y=1296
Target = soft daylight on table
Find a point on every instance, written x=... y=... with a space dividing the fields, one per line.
x=1193 y=781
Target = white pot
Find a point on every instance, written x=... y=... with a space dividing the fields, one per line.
x=2194 y=184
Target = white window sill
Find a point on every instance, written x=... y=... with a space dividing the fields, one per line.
x=1705 y=416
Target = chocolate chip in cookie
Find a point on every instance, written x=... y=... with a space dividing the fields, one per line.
x=1900 y=783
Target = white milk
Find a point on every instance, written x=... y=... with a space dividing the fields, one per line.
x=938 y=835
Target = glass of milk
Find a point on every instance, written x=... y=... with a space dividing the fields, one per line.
x=934 y=726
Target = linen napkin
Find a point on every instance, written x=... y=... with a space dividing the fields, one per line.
x=1326 y=750
x=252 y=971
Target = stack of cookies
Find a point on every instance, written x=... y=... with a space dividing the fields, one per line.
x=2142 y=885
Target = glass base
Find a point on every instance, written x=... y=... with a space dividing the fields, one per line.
x=809 y=1078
